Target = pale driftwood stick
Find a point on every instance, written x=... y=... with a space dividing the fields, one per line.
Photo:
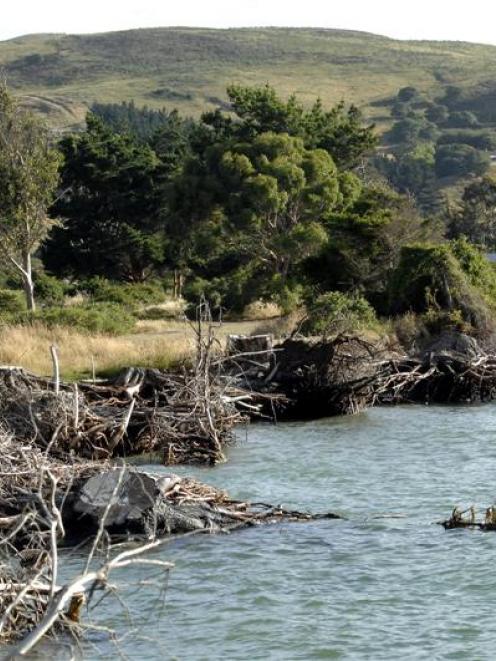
x=76 y=407
x=87 y=581
x=119 y=435
x=56 y=369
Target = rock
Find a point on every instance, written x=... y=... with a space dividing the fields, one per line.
x=133 y=493
x=450 y=342
x=141 y=506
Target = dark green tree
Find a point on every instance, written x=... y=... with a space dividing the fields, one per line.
x=171 y=142
x=365 y=243
x=340 y=130
x=111 y=207
x=251 y=212
x=475 y=217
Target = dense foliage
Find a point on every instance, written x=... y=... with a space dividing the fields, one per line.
x=110 y=206
x=435 y=143
x=271 y=201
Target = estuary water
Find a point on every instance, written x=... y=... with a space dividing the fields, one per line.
x=386 y=583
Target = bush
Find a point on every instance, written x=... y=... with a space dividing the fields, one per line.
x=157 y=313
x=431 y=280
x=11 y=301
x=261 y=310
x=438 y=321
x=49 y=289
x=477 y=138
x=476 y=267
x=110 y=319
x=406 y=131
x=408 y=328
x=459 y=159
x=462 y=119
x=232 y=291
x=129 y=294
x=336 y=312
x=437 y=113
x=407 y=94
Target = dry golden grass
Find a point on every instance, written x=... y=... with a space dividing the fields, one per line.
x=28 y=346
x=259 y=310
x=155 y=344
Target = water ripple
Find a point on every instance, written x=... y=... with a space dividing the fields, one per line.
x=384 y=584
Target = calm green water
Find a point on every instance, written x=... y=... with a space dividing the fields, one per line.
x=385 y=584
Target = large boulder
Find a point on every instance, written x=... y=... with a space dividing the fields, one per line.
x=133 y=502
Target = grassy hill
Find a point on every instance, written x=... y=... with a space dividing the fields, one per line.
x=61 y=75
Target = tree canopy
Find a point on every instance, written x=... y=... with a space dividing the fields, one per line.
x=111 y=206
x=262 y=203
x=340 y=131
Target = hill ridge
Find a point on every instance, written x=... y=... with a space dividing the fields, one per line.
x=189 y=68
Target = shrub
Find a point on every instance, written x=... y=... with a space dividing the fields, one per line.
x=477 y=138
x=157 y=313
x=129 y=294
x=432 y=280
x=437 y=113
x=11 y=301
x=408 y=327
x=438 y=321
x=462 y=119
x=261 y=310
x=407 y=94
x=460 y=159
x=476 y=267
x=335 y=312
x=48 y=289
x=110 y=319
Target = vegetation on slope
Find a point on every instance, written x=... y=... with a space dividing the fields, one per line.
x=190 y=68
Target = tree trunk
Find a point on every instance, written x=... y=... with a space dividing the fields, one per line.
x=27 y=278
x=176 y=287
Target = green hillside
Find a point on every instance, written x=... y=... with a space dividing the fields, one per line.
x=62 y=75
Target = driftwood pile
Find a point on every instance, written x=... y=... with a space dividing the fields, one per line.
x=468 y=519
x=49 y=499
x=183 y=417
x=347 y=374
x=33 y=489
